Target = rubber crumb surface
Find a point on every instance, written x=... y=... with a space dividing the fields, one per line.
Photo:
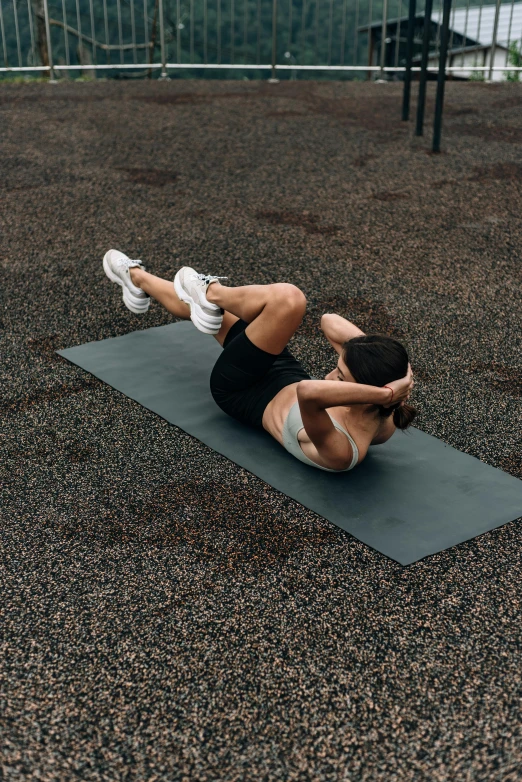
x=165 y=615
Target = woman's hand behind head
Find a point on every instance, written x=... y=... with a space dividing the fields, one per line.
x=401 y=389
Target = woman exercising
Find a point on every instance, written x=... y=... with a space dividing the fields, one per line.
x=329 y=425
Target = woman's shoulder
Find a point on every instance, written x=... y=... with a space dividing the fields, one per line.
x=366 y=428
x=386 y=429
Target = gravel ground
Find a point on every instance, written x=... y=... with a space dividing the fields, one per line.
x=165 y=615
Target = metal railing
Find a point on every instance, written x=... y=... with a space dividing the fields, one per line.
x=282 y=37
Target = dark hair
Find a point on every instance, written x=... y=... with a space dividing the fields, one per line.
x=375 y=360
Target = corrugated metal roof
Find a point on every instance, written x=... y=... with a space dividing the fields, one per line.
x=479 y=23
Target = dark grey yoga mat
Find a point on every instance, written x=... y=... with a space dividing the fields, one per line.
x=411 y=497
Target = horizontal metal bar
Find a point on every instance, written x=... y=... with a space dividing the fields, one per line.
x=27 y=68
x=389 y=68
x=478 y=68
x=196 y=66
x=222 y=66
x=125 y=65
x=89 y=67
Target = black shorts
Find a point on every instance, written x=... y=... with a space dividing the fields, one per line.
x=245 y=378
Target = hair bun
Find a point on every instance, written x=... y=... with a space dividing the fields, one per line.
x=403 y=416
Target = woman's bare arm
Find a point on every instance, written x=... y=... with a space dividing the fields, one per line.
x=338 y=330
x=322 y=394
x=315 y=396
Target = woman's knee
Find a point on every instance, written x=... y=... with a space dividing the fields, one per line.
x=290 y=297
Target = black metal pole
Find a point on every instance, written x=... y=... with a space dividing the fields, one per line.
x=423 y=76
x=409 y=58
x=441 y=80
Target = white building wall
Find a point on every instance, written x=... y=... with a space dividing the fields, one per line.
x=477 y=59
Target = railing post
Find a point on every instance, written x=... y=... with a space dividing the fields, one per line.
x=48 y=39
x=494 y=42
x=441 y=80
x=423 y=76
x=409 y=59
x=384 y=35
x=2 y=30
x=178 y=30
x=273 y=79
x=162 y=42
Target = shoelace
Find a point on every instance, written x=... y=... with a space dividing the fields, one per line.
x=127 y=261
x=207 y=278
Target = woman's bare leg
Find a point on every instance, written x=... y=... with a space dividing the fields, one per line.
x=273 y=312
x=164 y=293
x=161 y=290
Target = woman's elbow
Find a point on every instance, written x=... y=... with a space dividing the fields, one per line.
x=305 y=390
x=325 y=319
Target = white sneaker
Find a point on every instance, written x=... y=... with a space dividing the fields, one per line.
x=116 y=266
x=191 y=288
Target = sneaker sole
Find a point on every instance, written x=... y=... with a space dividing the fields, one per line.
x=128 y=299
x=205 y=323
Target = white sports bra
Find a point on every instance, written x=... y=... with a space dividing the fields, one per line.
x=291 y=429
